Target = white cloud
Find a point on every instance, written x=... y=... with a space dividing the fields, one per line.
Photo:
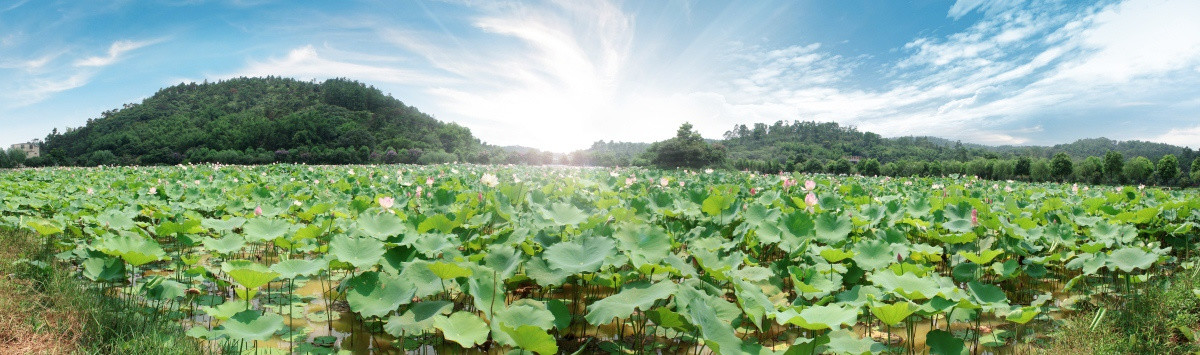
x=1188 y=137
x=114 y=53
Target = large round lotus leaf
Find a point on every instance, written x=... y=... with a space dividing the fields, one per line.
x=358 y=251
x=135 y=249
x=580 y=255
x=985 y=294
x=908 y=285
x=225 y=245
x=289 y=269
x=117 y=220
x=873 y=255
x=643 y=244
x=504 y=260
x=825 y=317
x=565 y=214
x=641 y=295
x=104 y=269
x=253 y=325
x=893 y=314
x=983 y=257
x=1023 y=315
x=832 y=228
x=532 y=338
x=448 y=271
x=225 y=310
x=1130 y=259
x=374 y=294
x=380 y=225
x=249 y=274
x=223 y=225
x=834 y=255
x=844 y=341
x=943 y=343
x=264 y=229
x=463 y=328
x=418 y=318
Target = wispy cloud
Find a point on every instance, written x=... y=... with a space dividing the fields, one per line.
x=115 y=51
x=306 y=62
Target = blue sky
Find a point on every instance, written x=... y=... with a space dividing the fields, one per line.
x=559 y=75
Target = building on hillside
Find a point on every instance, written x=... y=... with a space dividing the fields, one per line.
x=31 y=149
x=854 y=159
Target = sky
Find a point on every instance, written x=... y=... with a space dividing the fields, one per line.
x=558 y=75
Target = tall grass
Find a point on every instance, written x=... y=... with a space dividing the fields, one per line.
x=50 y=310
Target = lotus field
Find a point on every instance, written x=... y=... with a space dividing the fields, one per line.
x=463 y=258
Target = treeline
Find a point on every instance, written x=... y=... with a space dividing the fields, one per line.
x=263 y=120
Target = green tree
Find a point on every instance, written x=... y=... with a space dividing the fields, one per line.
x=1022 y=168
x=1114 y=162
x=839 y=166
x=1061 y=166
x=1040 y=170
x=868 y=167
x=687 y=150
x=1168 y=167
x=1090 y=170
x=1138 y=170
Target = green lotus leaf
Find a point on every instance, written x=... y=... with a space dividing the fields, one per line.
x=358 y=251
x=265 y=229
x=223 y=225
x=639 y=295
x=503 y=260
x=249 y=274
x=834 y=255
x=525 y=312
x=832 y=228
x=115 y=219
x=419 y=318
x=103 y=269
x=290 y=269
x=984 y=294
x=225 y=310
x=252 y=325
x=825 y=317
x=380 y=225
x=943 y=343
x=134 y=249
x=448 y=271
x=463 y=328
x=844 y=341
x=983 y=257
x=564 y=214
x=532 y=338
x=225 y=245
x=375 y=294
x=666 y=318
x=1130 y=259
x=580 y=255
x=893 y=314
x=643 y=244
x=1023 y=315
x=873 y=255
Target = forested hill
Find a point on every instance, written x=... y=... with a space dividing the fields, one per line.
x=262 y=120
x=820 y=142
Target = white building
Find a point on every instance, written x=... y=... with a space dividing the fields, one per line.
x=31 y=149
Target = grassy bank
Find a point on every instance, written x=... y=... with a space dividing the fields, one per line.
x=44 y=309
x=1161 y=318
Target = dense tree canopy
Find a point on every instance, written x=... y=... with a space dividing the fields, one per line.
x=686 y=150
x=260 y=120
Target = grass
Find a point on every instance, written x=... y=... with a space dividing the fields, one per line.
x=1162 y=318
x=45 y=309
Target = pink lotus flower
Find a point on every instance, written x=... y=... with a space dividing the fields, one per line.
x=753 y=191
x=153 y=191
x=788 y=182
x=90 y=191
x=810 y=185
x=663 y=182
x=429 y=181
x=810 y=200
x=418 y=191
x=386 y=202
x=974 y=217
x=257 y=211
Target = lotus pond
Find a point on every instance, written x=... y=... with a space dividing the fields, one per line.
x=487 y=259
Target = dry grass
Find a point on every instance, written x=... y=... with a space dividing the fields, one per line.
x=33 y=321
